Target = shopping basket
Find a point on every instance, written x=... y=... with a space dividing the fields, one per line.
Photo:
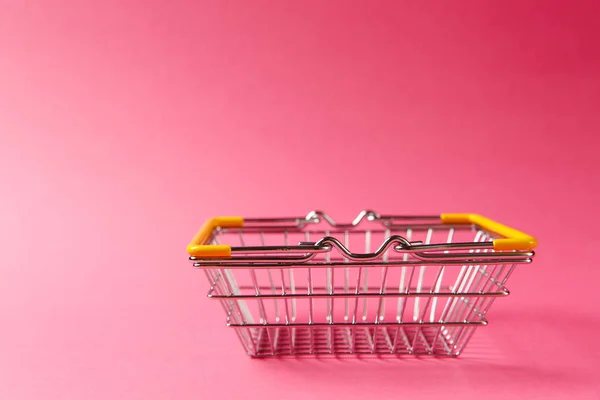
x=381 y=284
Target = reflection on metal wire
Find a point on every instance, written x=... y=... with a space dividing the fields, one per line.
x=321 y=297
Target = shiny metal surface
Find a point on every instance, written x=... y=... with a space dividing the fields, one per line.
x=424 y=289
x=306 y=251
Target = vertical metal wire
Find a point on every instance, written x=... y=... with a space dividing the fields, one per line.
x=241 y=235
x=461 y=309
x=287 y=315
x=436 y=280
x=238 y=309
x=384 y=272
x=332 y=309
x=380 y=312
x=444 y=341
x=328 y=284
x=310 y=292
x=402 y=300
x=271 y=281
x=420 y=279
x=490 y=281
x=481 y=272
x=247 y=343
x=457 y=314
x=227 y=276
x=483 y=308
x=379 y=307
x=407 y=290
x=466 y=341
x=329 y=289
x=292 y=281
x=496 y=278
x=508 y=274
x=213 y=280
x=467 y=312
x=487 y=307
x=221 y=289
x=310 y=310
x=366 y=275
x=370 y=339
x=292 y=331
x=388 y=340
x=378 y=317
x=262 y=311
x=357 y=291
x=261 y=306
x=355 y=308
x=417 y=316
x=346 y=276
x=395 y=341
x=439 y=331
x=419 y=335
x=441 y=278
x=451 y=303
x=310 y=301
x=400 y=332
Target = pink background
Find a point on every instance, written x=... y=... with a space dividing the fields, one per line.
x=125 y=124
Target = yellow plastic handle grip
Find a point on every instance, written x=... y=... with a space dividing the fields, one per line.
x=513 y=239
x=198 y=248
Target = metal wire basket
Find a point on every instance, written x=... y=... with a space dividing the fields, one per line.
x=380 y=285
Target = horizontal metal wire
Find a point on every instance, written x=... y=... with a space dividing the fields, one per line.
x=352 y=295
x=358 y=324
x=317 y=229
x=282 y=263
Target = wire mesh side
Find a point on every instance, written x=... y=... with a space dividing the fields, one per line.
x=339 y=295
x=384 y=307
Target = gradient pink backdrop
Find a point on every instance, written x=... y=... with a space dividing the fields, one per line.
x=124 y=124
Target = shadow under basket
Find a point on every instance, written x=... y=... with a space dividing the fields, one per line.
x=383 y=285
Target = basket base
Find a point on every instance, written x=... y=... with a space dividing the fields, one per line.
x=355 y=340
